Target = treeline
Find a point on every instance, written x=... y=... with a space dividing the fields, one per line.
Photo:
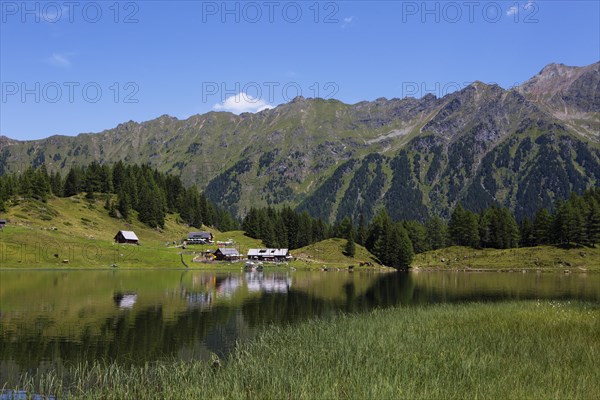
x=125 y=188
x=574 y=221
x=286 y=228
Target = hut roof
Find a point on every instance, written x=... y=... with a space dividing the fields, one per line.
x=229 y=251
x=268 y=252
x=128 y=235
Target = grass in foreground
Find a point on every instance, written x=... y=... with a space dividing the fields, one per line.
x=546 y=350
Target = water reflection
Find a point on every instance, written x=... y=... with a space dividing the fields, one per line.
x=125 y=300
x=22 y=395
x=271 y=283
x=48 y=318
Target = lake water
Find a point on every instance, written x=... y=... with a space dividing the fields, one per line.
x=49 y=319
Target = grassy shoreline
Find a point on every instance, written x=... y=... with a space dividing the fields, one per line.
x=487 y=350
x=540 y=258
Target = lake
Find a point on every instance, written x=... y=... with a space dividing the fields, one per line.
x=50 y=319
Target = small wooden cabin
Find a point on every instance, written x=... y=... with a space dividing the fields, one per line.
x=128 y=237
x=227 y=254
x=199 y=238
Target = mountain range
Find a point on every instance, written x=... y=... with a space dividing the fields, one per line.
x=522 y=148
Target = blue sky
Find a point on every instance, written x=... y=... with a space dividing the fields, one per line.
x=79 y=66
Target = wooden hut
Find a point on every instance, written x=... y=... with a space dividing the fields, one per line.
x=199 y=238
x=128 y=237
x=269 y=254
x=227 y=254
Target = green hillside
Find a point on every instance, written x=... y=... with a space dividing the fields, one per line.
x=46 y=235
x=76 y=229
x=542 y=258
x=330 y=253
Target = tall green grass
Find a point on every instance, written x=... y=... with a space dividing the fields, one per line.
x=517 y=350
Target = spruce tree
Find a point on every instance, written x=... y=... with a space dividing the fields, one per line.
x=375 y=230
x=437 y=232
x=267 y=230
x=281 y=234
x=542 y=227
x=401 y=251
x=124 y=206
x=319 y=230
x=92 y=179
x=578 y=227
x=106 y=185
x=118 y=176
x=486 y=228
x=471 y=229
x=26 y=179
x=112 y=210
x=350 y=248
x=72 y=183
x=526 y=233
x=593 y=222
x=361 y=232
x=304 y=236
x=457 y=225
x=251 y=224
x=464 y=227
x=41 y=184
x=417 y=233
x=568 y=223
x=3 y=194
x=509 y=231
x=56 y=184
x=207 y=211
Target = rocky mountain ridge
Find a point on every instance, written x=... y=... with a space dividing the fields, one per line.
x=521 y=148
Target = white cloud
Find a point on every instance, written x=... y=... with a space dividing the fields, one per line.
x=59 y=60
x=347 y=21
x=515 y=9
x=242 y=102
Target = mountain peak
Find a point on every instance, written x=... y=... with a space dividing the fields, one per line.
x=553 y=67
x=565 y=89
x=562 y=70
x=298 y=99
x=167 y=118
x=556 y=77
x=5 y=140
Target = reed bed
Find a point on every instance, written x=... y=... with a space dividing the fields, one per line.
x=515 y=350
